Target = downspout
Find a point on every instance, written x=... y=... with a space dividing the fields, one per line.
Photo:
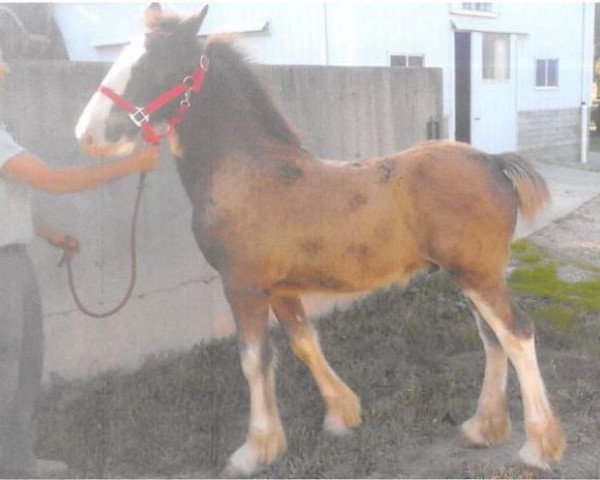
x=451 y=124
x=326 y=33
x=584 y=90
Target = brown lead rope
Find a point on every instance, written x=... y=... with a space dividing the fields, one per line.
x=66 y=258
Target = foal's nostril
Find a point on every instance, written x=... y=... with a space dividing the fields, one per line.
x=88 y=140
x=114 y=131
x=116 y=127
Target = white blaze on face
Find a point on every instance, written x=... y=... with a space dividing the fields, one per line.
x=90 y=129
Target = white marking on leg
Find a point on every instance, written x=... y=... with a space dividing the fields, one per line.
x=491 y=422
x=266 y=438
x=523 y=356
x=545 y=441
x=251 y=365
x=496 y=370
x=244 y=461
x=537 y=406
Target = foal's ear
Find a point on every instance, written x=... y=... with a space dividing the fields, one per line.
x=152 y=14
x=193 y=23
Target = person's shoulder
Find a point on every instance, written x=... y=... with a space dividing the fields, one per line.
x=8 y=147
x=4 y=130
x=5 y=135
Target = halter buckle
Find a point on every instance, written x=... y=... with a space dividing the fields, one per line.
x=204 y=63
x=139 y=117
x=185 y=101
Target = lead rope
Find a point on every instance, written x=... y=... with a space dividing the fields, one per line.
x=66 y=259
x=141 y=118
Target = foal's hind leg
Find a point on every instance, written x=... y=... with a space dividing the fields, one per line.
x=545 y=441
x=266 y=438
x=343 y=406
x=491 y=422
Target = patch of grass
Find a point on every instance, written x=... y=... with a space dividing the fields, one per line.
x=563 y=319
x=565 y=312
x=542 y=279
x=526 y=252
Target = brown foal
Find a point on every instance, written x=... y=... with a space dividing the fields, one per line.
x=277 y=223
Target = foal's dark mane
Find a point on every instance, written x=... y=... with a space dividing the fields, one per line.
x=234 y=113
x=244 y=92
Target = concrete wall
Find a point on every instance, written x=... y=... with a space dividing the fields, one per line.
x=343 y=112
x=357 y=112
x=552 y=136
x=364 y=33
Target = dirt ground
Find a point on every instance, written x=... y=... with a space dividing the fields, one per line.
x=575 y=238
x=572 y=377
x=414 y=358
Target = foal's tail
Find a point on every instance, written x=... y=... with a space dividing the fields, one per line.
x=530 y=186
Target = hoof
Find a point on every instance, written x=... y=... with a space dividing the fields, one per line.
x=335 y=425
x=243 y=463
x=544 y=447
x=531 y=458
x=259 y=451
x=343 y=413
x=483 y=431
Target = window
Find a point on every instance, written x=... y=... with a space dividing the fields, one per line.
x=496 y=57
x=475 y=9
x=546 y=73
x=477 y=6
x=407 y=60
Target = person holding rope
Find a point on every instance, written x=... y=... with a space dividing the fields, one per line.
x=21 y=327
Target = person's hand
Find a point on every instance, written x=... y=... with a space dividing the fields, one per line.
x=58 y=239
x=65 y=242
x=145 y=159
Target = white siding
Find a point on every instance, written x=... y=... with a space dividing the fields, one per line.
x=367 y=33
x=84 y=26
x=557 y=30
x=97 y=31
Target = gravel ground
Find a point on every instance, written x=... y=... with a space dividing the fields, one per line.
x=575 y=239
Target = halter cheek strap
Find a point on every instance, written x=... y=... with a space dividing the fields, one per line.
x=140 y=116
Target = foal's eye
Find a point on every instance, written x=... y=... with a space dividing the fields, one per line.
x=142 y=68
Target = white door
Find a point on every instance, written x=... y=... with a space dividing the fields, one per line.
x=493 y=92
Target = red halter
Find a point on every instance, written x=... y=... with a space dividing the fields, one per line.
x=141 y=115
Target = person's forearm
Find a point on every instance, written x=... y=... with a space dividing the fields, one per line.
x=30 y=170
x=77 y=179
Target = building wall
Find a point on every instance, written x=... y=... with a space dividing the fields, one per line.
x=552 y=136
x=341 y=112
x=294 y=34
x=564 y=32
x=361 y=33
x=549 y=119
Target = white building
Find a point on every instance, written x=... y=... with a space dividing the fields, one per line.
x=517 y=76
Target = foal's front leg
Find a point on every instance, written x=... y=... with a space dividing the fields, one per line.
x=266 y=438
x=343 y=406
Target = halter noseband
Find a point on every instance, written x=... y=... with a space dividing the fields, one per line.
x=140 y=116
